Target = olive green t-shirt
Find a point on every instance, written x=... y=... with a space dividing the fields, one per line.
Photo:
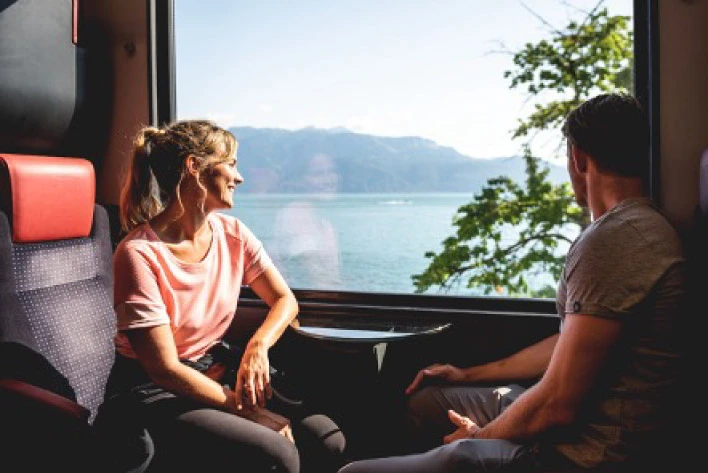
x=629 y=266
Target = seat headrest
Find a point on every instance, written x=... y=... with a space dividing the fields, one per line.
x=47 y=198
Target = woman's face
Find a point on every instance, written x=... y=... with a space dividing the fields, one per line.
x=220 y=182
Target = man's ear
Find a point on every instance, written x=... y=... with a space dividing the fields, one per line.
x=580 y=159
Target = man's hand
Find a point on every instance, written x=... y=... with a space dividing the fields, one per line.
x=466 y=428
x=448 y=373
x=287 y=433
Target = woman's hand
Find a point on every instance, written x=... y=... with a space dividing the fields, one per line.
x=448 y=373
x=253 y=378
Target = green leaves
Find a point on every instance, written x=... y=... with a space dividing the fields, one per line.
x=541 y=216
x=586 y=57
x=511 y=233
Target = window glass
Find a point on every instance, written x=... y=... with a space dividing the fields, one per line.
x=366 y=127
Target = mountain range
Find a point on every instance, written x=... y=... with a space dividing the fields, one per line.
x=337 y=160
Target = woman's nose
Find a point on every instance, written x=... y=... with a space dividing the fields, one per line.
x=238 y=177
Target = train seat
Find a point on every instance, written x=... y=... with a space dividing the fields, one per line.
x=56 y=313
x=703 y=184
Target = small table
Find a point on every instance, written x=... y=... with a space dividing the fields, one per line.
x=358 y=395
x=358 y=330
x=365 y=332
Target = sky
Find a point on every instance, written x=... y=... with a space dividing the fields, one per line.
x=428 y=68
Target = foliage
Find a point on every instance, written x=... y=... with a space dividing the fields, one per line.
x=543 y=215
x=575 y=62
x=585 y=57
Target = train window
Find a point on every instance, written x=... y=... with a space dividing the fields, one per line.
x=404 y=147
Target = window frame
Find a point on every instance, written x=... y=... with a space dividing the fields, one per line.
x=395 y=305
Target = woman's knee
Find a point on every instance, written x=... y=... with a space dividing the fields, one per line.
x=321 y=444
x=266 y=448
x=217 y=438
x=286 y=458
x=325 y=432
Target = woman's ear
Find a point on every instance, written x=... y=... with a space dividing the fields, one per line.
x=191 y=165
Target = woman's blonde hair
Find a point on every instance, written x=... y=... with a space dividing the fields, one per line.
x=158 y=165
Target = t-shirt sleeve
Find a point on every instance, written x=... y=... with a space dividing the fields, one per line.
x=256 y=260
x=137 y=298
x=611 y=274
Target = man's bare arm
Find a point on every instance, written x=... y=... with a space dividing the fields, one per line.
x=579 y=357
x=528 y=363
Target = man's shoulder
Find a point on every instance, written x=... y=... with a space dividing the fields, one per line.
x=636 y=235
x=641 y=223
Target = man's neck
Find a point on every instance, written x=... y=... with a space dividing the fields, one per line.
x=609 y=191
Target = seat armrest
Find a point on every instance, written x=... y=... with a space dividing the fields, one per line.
x=46 y=398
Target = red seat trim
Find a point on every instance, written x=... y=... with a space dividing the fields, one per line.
x=45 y=397
x=49 y=198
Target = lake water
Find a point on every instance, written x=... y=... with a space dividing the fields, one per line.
x=353 y=242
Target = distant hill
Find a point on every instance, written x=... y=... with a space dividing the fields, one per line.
x=317 y=160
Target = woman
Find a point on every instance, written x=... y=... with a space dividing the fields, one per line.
x=177 y=276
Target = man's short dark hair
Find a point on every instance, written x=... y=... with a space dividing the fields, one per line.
x=613 y=130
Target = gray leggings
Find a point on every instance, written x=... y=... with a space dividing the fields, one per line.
x=430 y=423
x=146 y=426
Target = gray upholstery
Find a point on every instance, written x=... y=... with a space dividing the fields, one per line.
x=703 y=184
x=56 y=310
x=42 y=84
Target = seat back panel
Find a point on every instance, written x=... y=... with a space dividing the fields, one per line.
x=56 y=312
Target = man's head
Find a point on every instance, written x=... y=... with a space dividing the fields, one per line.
x=613 y=131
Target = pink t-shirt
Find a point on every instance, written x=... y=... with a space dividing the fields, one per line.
x=197 y=300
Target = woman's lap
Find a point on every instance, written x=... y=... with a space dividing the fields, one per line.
x=186 y=435
x=148 y=421
x=196 y=431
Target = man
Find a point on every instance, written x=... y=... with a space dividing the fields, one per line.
x=601 y=386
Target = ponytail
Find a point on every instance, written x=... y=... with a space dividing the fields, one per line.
x=140 y=196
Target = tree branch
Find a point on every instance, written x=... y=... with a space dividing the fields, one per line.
x=542 y=19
